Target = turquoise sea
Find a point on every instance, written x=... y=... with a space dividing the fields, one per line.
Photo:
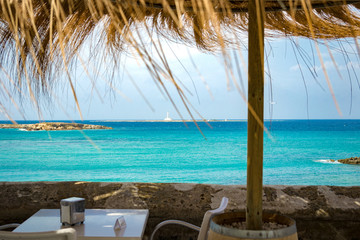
x=297 y=152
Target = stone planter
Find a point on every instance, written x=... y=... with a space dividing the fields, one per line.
x=219 y=232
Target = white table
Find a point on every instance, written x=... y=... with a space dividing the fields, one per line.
x=99 y=223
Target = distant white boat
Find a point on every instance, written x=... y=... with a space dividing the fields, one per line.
x=168 y=119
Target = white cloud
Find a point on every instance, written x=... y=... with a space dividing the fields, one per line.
x=350 y=65
x=295 y=67
x=329 y=65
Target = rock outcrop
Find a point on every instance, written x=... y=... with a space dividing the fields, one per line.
x=352 y=160
x=53 y=126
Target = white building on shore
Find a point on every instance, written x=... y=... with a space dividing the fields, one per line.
x=167 y=119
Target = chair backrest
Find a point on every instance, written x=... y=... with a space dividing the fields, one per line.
x=61 y=234
x=10 y=225
x=207 y=217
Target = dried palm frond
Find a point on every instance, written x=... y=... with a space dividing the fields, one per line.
x=39 y=38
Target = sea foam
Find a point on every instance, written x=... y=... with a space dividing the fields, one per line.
x=327 y=161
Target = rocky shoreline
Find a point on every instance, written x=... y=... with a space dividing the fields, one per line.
x=352 y=160
x=54 y=126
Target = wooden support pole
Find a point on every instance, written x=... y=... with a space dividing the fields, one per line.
x=255 y=115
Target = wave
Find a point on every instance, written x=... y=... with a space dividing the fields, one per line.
x=327 y=161
x=23 y=129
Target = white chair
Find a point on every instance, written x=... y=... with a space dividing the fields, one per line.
x=61 y=234
x=10 y=225
x=203 y=230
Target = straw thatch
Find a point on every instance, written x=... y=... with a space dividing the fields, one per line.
x=39 y=38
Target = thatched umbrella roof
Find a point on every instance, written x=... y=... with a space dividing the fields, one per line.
x=45 y=34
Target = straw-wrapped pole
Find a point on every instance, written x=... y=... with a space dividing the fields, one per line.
x=255 y=115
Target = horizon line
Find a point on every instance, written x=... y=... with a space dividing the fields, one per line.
x=174 y=120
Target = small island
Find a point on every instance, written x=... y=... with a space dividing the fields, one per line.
x=54 y=126
x=352 y=160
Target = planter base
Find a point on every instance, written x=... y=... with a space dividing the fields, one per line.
x=220 y=232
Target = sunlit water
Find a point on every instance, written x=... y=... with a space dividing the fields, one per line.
x=298 y=152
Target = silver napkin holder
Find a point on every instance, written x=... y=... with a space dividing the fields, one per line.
x=72 y=210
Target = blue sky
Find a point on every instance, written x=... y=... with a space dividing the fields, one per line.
x=208 y=90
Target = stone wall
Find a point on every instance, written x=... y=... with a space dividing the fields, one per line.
x=321 y=212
